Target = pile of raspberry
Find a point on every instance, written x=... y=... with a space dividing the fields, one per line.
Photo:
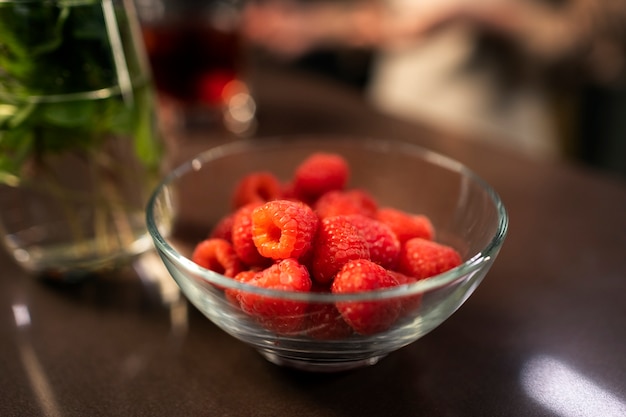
x=315 y=234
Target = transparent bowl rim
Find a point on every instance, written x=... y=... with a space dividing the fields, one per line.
x=471 y=265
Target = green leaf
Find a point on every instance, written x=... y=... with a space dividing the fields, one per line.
x=16 y=146
x=119 y=118
x=23 y=114
x=70 y=114
x=55 y=49
x=57 y=35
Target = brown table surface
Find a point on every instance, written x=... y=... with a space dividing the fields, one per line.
x=543 y=335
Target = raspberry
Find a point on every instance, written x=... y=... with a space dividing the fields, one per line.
x=334 y=203
x=217 y=255
x=337 y=242
x=382 y=242
x=276 y=314
x=423 y=258
x=283 y=229
x=405 y=225
x=223 y=229
x=325 y=322
x=257 y=187
x=319 y=173
x=232 y=294
x=242 y=237
x=410 y=303
x=366 y=317
x=289 y=193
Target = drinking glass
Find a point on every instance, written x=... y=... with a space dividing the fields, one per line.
x=79 y=146
x=198 y=62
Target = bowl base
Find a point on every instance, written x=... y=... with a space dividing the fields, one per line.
x=310 y=365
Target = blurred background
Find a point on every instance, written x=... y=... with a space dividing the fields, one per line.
x=546 y=78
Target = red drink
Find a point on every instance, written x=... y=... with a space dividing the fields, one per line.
x=192 y=61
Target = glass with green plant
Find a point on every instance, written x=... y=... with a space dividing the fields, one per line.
x=79 y=145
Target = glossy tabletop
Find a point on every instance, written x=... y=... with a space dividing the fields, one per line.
x=542 y=336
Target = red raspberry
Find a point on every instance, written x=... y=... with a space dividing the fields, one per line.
x=410 y=303
x=319 y=173
x=223 y=229
x=366 y=317
x=217 y=255
x=289 y=193
x=337 y=242
x=325 y=322
x=283 y=229
x=382 y=242
x=278 y=314
x=242 y=237
x=334 y=203
x=423 y=258
x=257 y=187
x=405 y=225
x=232 y=294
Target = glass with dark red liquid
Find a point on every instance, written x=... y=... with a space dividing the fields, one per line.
x=192 y=62
x=196 y=59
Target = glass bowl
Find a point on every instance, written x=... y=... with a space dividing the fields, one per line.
x=465 y=211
